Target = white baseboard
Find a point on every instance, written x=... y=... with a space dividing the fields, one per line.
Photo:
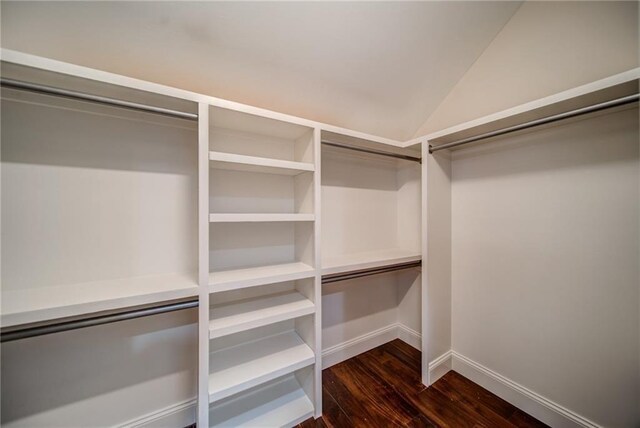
x=440 y=366
x=349 y=349
x=536 y=405
x=410 y=336
x=358 y=345
x=178 y=416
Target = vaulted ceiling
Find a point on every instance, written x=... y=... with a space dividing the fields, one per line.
x=377 y=67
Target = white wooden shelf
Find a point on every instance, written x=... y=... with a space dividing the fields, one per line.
x=252 y=313
x=235 y=369
x=281 y=403
x=230 y=161
x=262 y=217
x=368 y=260
x=261 y=275
x=46 y=303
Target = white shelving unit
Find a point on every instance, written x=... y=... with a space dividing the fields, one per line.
x=371 y=217
x=99 y=205
x=105 y=208
x=264 y=312
x=234 y=197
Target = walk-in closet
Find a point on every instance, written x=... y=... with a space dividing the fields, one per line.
x=319 y=214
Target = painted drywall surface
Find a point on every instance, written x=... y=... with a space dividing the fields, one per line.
x=357 y=307
x=545 y=254
x=438 y=261
x=377 y=67
x=546 y=47
x=100 y=376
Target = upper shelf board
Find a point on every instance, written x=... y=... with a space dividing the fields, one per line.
x=32 y=305
x=260 y=275
x=252 y=313
x=368 y=260
x=603 y=90
x=230 y=161
x=259 y=218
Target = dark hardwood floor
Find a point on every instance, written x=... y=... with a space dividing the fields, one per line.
x=382 y=388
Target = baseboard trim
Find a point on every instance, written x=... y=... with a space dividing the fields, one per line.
x=440 y=366
x=410 y=336
x=178 y=415
x=536 y=405
x=350 y=348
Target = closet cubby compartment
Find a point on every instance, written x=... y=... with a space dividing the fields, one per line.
x=249 y=254
x=99 y=203
x=371 y=205
x=250 y=196
x=245 y=142
x=245 y=309
x=244 y=360
x=279 y=403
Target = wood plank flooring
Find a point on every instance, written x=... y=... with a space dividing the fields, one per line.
x=382 y=388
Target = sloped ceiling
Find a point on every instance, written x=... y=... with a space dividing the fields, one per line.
x=376 y=67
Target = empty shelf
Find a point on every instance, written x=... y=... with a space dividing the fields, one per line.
x=252 y=313
x=281 y=403
x=235 y=369
x=46 y=303
x=261 y=275
x=235 y=162
x=266 y=217
x=368 y=260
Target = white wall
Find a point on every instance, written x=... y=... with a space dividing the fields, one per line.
x=546 y=47
x=545 y=263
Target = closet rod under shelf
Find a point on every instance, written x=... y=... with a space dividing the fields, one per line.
x=372 y=151
x=343 y=276
x=542 y=121
x=50 y=90
x=9 y=334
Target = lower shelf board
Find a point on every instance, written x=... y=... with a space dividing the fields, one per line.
x=260 y=275
x=280 y=403
x=238 y=368
x=257 y=312
x=32 y=305
x=368 y=260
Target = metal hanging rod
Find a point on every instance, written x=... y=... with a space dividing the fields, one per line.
x=50 y=90
x=549 y=119
x=372 y=151
x=10 y=333
x=328 y=279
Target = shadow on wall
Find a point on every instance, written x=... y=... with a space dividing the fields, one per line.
x=149 y=362
x=78 y=134
x=611 y=126
x=356 y=307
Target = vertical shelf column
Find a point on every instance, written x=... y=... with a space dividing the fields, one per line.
x=425 y=266
x=317 y=192
x=203 y=265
